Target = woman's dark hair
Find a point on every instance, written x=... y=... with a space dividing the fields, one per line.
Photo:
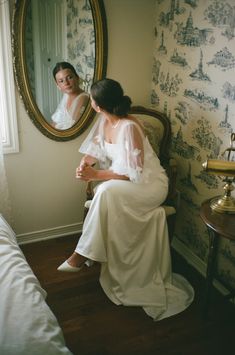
x=63 y=65
x=108 y=94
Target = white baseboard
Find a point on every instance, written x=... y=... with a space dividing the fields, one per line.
x=196 y=262
x=51 y=233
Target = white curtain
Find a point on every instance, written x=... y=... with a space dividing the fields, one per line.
x=5 y=204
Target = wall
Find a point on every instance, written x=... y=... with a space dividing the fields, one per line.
x=193 y=82
x=46 y=198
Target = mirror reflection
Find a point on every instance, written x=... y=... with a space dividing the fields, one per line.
x=74 y=100
x=47 y=32
x=59 y=31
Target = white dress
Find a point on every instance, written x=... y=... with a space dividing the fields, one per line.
x=65 y=118
x=125 y=228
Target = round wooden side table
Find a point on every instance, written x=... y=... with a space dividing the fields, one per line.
x=219 y=225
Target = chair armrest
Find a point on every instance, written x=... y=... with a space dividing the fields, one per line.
x=89 y=191
x=90 y=188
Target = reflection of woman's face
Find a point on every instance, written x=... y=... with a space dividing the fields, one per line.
x=67 y=81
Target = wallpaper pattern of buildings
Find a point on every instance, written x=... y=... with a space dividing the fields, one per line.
x=193 y=82
x=81 y=39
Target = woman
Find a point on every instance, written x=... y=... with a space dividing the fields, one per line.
x=125 y=229
x=74 y=100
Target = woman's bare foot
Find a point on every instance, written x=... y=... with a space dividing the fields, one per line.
x=76 y=260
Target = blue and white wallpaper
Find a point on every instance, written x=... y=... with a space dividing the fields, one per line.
x=193 y=82
x=81 y=40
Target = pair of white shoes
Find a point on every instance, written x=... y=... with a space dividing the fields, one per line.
x=66 y=267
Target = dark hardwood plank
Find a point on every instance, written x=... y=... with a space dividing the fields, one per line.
x=93 y=325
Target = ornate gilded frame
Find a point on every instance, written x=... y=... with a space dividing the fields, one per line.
x=21 y=75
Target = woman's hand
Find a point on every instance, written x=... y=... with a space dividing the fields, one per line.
x=82 y=165
x=87 y=160
x=86 y=173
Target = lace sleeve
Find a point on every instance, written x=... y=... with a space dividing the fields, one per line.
x=130 y=160
x=93 y=144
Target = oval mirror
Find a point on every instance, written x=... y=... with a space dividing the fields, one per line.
x=46 y=32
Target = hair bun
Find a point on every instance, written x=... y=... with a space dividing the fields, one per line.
x=123 y=107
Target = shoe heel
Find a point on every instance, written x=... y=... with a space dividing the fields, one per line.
x=89 y=263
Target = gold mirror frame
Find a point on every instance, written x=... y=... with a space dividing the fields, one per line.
x=22 y=79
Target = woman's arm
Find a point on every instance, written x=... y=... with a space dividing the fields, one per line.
x=135 y=149
x=88 y=173
x=80 y=107
x=130 y=159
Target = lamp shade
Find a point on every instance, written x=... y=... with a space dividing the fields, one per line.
x=219 y=167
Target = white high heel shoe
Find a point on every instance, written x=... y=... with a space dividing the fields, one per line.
x=68 y=268
x=89 y=263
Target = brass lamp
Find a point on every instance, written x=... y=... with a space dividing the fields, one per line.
x=225 y=168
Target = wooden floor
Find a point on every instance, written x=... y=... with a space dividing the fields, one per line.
x=93 y=325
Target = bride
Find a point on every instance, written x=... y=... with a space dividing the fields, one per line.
x=125 y=228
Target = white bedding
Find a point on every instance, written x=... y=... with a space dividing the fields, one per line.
x=27 y=325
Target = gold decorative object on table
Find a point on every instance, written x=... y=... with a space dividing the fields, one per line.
x=224 y=168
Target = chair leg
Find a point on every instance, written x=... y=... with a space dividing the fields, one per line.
x=171 y=226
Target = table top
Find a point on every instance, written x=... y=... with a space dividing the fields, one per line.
x=222 y=223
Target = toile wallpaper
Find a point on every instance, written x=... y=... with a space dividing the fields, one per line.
x=193 y=82
x=81 y=39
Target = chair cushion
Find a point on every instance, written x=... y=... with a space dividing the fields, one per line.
x=169 y=210
x=87 y=204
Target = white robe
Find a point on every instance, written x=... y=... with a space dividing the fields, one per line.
x=126 y=230
x=65 y=118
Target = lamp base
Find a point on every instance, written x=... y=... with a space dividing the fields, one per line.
x=225 y=204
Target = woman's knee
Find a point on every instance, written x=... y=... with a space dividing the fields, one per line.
x=110 y=188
